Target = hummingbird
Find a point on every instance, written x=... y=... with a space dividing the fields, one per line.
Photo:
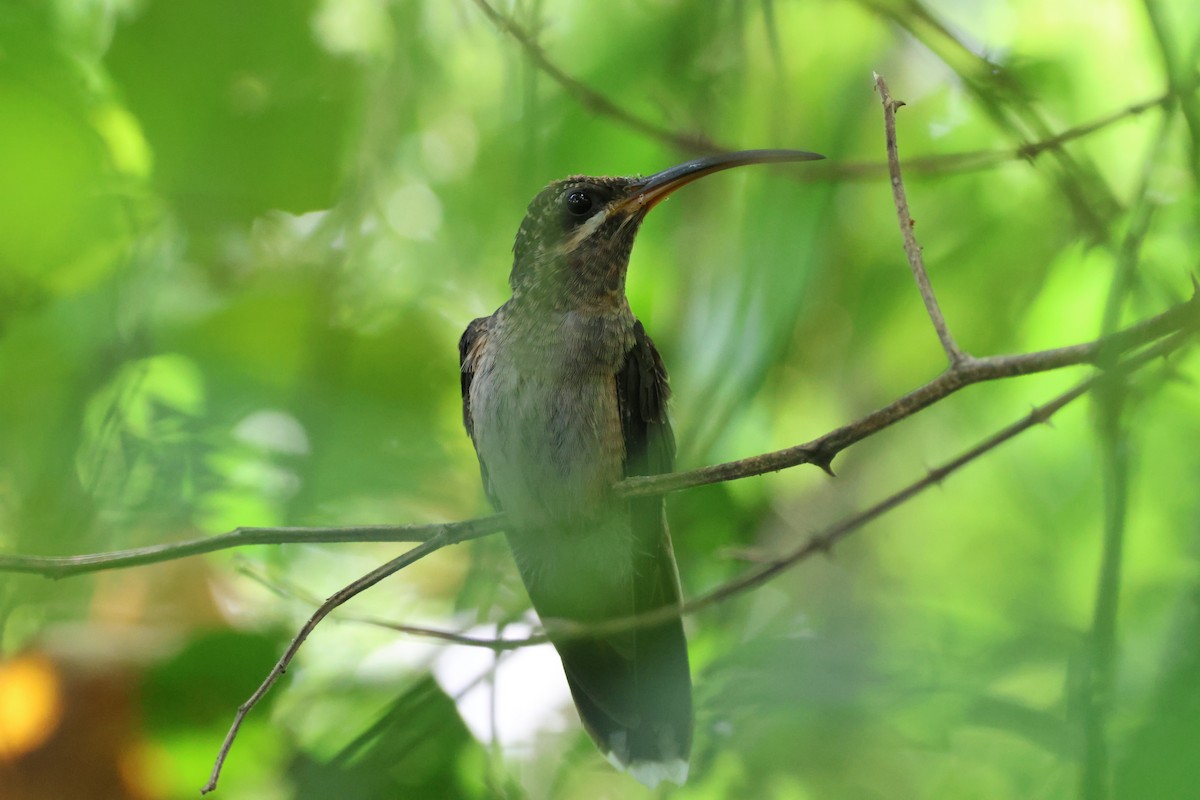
x=564 y=394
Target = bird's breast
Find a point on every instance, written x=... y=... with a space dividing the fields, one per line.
x=548 y=427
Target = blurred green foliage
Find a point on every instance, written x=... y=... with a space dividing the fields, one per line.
x=239 y=241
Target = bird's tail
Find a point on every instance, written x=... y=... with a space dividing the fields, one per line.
x=633 y=693
x=632 y=688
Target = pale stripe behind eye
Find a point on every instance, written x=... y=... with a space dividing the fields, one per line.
x=585 y=230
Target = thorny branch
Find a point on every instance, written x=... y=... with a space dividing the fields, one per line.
x=825 y=540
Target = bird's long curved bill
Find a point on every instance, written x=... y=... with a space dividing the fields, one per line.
x=654 y=189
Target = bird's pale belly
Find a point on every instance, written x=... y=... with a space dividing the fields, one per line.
x=549 y=447
x=553 y=447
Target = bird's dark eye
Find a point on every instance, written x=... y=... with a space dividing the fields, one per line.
x=579 y=203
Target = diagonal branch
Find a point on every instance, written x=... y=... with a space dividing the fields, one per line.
x=588 y=97
x=336 y=599
x=1001 y=95
x=822 y=450
x=825 y=540
x=979 y=160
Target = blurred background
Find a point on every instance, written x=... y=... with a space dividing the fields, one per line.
x=239 y=242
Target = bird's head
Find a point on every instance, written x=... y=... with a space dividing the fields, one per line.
x=573 y=246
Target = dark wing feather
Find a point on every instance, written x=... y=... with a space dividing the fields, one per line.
x=658 y=665
x=642 y=395
x=473 y=340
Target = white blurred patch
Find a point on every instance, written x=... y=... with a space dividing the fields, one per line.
x=269 y=480
x=449 y=147
x=530 y=689
x=413 y=211
x=955 y=114
x=274 y=431
x=353 y=27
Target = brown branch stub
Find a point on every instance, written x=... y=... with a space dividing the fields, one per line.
x=911 y=248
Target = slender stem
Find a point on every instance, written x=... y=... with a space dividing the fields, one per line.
x=64 y=566
x=1114 y=443
x=911 y=249
x=1102 y=645
x=336 y=599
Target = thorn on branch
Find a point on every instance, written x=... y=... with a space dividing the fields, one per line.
x=937 y=475
x=822 y=545
x=825 y=462
x=1040 y=415
x=749 y=555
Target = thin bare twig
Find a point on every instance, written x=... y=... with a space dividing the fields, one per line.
x=65 y=566
x=336 y=599
x=911 y=248
x=975 y=160
x=590 y=98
